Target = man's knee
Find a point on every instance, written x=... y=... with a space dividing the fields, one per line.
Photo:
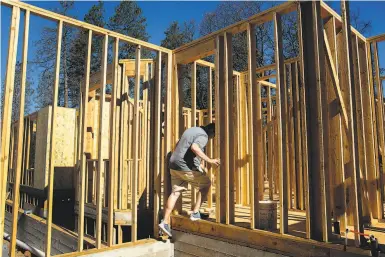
x=175 y=193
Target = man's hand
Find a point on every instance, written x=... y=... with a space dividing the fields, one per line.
x=215 y=162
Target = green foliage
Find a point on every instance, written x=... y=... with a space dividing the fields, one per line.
x=29 y=94
x=79 y=51
x=45 y=58
x=176 y=36
x=129 y=20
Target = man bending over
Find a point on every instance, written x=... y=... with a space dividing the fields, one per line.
x=185 y=167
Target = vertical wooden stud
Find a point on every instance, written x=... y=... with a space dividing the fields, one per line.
x=101 y=170
x=353 y=135
x=82 y=181
x=52 y=141
x=211 y=141
x=281 y=119
x=229 y=141
x=134 y=176
x=157 y=141
x=219 y=80
x=253 y=98
x=111 y=179
x=7 y=113
x=20 y=138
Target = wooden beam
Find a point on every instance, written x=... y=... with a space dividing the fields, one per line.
x=353 y=137
x=336 y=153
x=377 y=38
x=262 y=79
x=177 y=117
x=264 y=240
x=303 y=111
x=167 y=126
x=82 y=178
x=370 y=101
x=193 y=94
x=20 y=138
x=270 y=142
x=238 y=141
x=212 y=66
x=259 y=180
x=292 y=143
x=219 y=130
x=157 y=141
x=210 y=149
x=7 y=112
x=205 y=63
x=245 y=196
x=281 y=116
x=336 y=80
x=80 y=24
x=253 y=175
x=298 y=136
x=229 y=142
x=268 y=84
x=111 y=169
x=285 y=130
x=101 y=170
x=363 y=171
x=135 y=144
x=380 y=101
x=206 y=46
x=312 y=53
x=52 y=141
x=324 y=126
x=330 y=12
x=146 y=133
x=193 y=117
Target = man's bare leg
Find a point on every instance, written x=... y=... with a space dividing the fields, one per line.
x=170 y=206
x=202 y=194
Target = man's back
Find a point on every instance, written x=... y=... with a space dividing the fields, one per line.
x=183 y=159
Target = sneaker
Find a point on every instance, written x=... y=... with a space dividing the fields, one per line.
x=165 y=228
x=195 y=216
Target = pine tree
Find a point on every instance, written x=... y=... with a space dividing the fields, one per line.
x=78 y=51
x=228 y=13
x=45 y=56
x=129 y=20
x=28 y=98
x=176 y=36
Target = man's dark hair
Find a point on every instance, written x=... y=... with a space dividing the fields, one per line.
x=209 y=129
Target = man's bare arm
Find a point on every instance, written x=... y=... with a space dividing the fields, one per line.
x=198 y=152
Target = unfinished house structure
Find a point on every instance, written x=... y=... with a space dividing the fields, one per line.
x=301 y=143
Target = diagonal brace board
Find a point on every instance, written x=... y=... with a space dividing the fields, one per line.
x=336 y=80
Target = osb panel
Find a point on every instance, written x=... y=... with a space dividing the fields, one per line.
x=65 y=134
x=93 y=128
x=41 y=150
x=90 y=127
x=65 y=143
x=106 y=130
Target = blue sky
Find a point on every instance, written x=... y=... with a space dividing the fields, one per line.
x=160 y=14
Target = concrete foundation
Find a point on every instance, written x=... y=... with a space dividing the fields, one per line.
x=152 y=249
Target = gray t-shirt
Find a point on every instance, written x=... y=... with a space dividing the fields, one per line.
x=183 y=158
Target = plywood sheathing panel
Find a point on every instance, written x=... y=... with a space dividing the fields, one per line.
x=64 y=154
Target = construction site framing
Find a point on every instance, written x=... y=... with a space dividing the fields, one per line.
x=317 y=142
